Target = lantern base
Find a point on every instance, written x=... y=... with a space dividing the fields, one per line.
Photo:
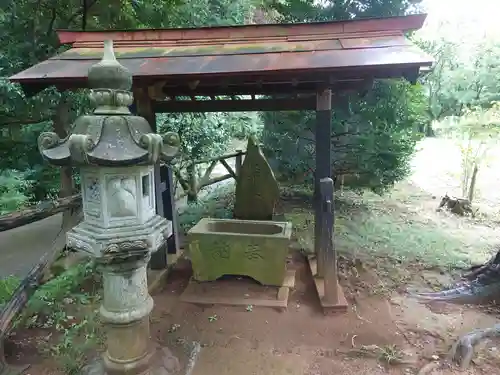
x=96 y=241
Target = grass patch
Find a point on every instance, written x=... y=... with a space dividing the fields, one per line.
x=66 y=310
x=67 y=306
x=399 y=238
x=370 y=226
x=7 y=287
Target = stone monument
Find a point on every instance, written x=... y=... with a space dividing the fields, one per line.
x=116 y=152
x=257 y=190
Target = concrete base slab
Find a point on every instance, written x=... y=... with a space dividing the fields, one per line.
x=231 y=361
x=341 y=306
x=239 y=293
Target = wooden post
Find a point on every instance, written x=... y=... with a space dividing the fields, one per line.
x=239 y=162
x=323 y=135
x=169 y=211
x=326 y=240
x=165 y=205
x=342 y=177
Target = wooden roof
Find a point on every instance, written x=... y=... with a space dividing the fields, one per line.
x=251 y=59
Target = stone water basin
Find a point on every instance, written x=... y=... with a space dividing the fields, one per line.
x=257 y=249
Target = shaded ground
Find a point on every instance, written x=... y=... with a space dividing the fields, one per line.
x=388 y=245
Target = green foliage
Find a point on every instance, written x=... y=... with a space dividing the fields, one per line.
x=373 y=141
x=374 y=134
x=207 y=135
x=18 y=151
x=476 y=132
x=7 y=287
x=310 y=10
x=48 y=297
x=218 y=203
x=204 y=136
x=30 y=29
x=464 y=75
x=66 y=309
x=13 y=188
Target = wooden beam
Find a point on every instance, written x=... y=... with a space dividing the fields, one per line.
x=183 y=106
x=228 y=168
x=287 y=87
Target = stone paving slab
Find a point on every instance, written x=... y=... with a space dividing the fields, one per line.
x=21 y=248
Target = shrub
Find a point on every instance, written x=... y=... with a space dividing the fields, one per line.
x=374 y=136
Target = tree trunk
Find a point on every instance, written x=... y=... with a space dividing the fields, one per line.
x=472 y=186
x=192 y=193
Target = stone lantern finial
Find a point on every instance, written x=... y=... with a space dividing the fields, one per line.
x=111 y=136
x=109 y=73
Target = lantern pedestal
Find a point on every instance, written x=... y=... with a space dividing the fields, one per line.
x=125 y=311
x=116 y=152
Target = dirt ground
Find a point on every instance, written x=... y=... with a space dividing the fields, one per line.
x=384 y=332
x=388 y=246
x=407 y=334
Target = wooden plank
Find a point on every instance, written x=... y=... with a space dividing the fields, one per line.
x=192 y=295
x=39 y=212
x=244 y=105
x=229 y=301
x=228 y=168
x=288 y=87
x=215 y=180
x=341 y=306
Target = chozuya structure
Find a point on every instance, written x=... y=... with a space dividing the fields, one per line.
x=116 y=152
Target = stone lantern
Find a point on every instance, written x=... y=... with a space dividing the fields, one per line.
x=116 y=152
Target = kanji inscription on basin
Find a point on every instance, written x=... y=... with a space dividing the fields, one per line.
x=257 y=249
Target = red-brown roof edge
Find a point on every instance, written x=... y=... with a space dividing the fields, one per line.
x=400 y=23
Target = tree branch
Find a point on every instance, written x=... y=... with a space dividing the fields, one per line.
x=50 y=28
x=84 y=15
x=83 y=10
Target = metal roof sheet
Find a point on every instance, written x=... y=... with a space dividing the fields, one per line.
x=362 y=46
